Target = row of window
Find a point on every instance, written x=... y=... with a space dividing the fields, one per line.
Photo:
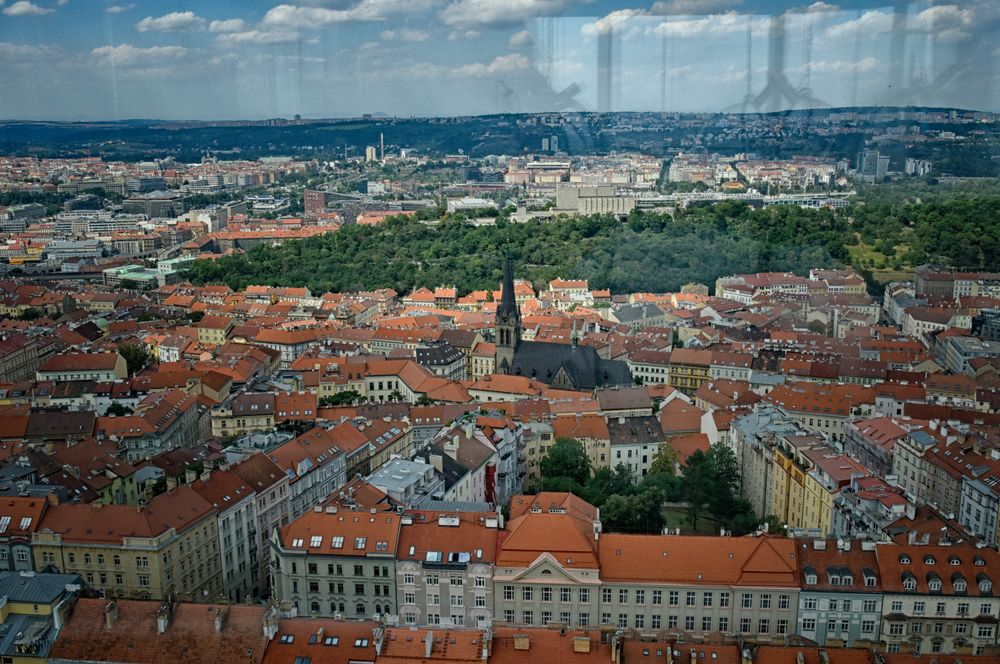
x=655 y=621
x=899 y=629
x=868 y=605
x=638 y=597
x=435 y=579
x=809 y=625
x=940 y=609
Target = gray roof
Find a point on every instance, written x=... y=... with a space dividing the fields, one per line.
x=586 y=370
x=32 y=588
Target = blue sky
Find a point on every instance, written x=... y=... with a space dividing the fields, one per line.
x=110 y=59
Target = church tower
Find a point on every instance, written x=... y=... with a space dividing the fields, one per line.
x=508 y=322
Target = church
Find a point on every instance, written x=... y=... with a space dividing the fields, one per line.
x=564 y=366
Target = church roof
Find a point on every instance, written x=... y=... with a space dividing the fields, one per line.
x=508 y=303
x=584 y=368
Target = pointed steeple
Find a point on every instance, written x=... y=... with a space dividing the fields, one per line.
x=507 y=309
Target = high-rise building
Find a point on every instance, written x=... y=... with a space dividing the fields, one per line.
x=371 y=154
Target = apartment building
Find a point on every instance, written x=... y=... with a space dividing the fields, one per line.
x=169 y=546
x=840 y=604
x=274 y=506
x=332 y=562
x=444 y=568
x=547 y=568
x=699 y=585
x=236 y=524
x=939 y=599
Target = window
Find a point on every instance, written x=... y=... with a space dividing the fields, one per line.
x=640 y=597
x=508 y=615
x=526 y=594
x=706 y=623
x=723 y=624
x=674 y=597
x=584 y=595
x=706 y=599
x=940 y=609
x=897 y=606
x=605 y=618
x=746 y=600
x=765 y=601
x=640 y=621
x=918 y=608
x=985 y=609
x=867 y=626
x=606 y=595
x=763 y=626
x=745 y=625
x=480 y=601
x=584 y=620
x=783 y=601
x=654 y=622
x=870 y=605
x=623 y=596
x=896 y=629
x=508 y=594
x=480 y=582
x=689 y=622
x=782 y=627
x=808 y=624
x=833 y=604
x=657 y=598
x=724 y=600
x=456 y=600
x=433 y=599
x=528 y=617
x=565 y=595
x=985 y=631
x=623 y=620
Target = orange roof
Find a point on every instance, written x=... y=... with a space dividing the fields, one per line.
x=448 y=532
x=558 y=524
x=408 y=645
x=549 y=645
x=321 y=640
x=191 y=635
x=593 y=427
x=749 y=561
x=342 y=533
x=80 y=362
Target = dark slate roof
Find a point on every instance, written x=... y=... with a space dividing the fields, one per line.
x=644 y=430
x=542 y=361
x=442 y=354
x=31 y=588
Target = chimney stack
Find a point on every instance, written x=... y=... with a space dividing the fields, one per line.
x=110 y=614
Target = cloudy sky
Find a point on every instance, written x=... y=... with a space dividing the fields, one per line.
x=111 y=59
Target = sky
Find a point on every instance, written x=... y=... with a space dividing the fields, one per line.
x=251 y=59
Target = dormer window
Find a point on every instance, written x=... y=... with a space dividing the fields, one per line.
x=904 y=558
x=978 y=561
x=985 y=586
x=934 y=585
x=929 y=560
x=954 y=561
x=909 y=582
x=960 y=585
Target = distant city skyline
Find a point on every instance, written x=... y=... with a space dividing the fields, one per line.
x=95 y=59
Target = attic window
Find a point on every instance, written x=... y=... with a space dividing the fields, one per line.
x=4 y=522
x=316 y=540
x=331 y=641
x=337 y=542
x=904 y=559
x=25 y=522
x=287 y=638
x=359 y=542
x=382 y=546
x=297 y=542
x=929 y=560
x=360 y=643
x=954 y=561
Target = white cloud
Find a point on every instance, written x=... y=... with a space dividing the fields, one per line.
x=26 y=8
x=120 y=9
x=405 y=35
x=837 y=66
x=719 y=24
x=473 y=14
x=614 y=21
x=12 y=53
x=502 y=64
x=455 y=35
x=172 y=22
x=692 y=7
x=948 y=23
x=258 y=37
x=869 y=23
x=228 y=25
x=126 y=55
x=522 y=38
x=296 y=17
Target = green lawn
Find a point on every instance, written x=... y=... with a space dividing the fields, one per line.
x=676 y=517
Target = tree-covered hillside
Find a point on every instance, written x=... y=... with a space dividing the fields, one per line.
x=648 y=252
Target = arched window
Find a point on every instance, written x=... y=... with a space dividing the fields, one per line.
x=985 y=586
x=904 y=558
x=934 y=585
x=960 y=585
x=314 y=607
x=360 y=609
x=929 y=560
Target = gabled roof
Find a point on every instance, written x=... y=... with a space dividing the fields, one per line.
x=190 y=637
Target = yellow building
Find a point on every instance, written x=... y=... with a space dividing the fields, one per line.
x=689 y=368
x=170 y=545
x=807 y=476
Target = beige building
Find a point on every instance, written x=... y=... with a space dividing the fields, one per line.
x=171 y=545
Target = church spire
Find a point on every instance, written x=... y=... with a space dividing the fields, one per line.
x=508 y=304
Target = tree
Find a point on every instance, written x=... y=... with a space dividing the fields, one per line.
x=664 y=461
x=725 y=472
x=136 y=357
x=566 y=458
x=31 y=313
x=697 y=484
x=608 y=482
x=118 y=409
x=345 y=398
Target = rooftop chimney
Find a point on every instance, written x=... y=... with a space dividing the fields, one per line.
x=221 y=616
x=110 y=613
x=428 y=644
